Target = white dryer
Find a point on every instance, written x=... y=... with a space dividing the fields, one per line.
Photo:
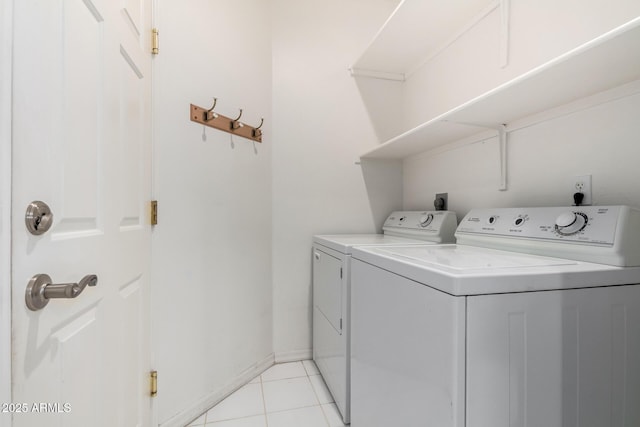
x=331 y=288
x=531 y=319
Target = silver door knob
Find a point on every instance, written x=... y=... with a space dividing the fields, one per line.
x=40 y=290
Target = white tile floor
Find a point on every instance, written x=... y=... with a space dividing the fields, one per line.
x=285 y=395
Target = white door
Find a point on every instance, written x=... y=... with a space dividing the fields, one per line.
x=81 y=143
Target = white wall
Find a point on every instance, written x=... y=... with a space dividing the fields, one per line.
x=6 y=25
x=212 y=296
x=320 y=129
x=601 y=140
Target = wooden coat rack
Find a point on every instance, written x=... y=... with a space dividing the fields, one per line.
x=210 y=118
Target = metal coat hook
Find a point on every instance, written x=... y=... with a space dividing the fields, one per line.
x=206 y=117
x=256 y=132
x=210 y=114
x=235 y=124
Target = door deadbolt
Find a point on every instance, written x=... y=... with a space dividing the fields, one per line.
x=38 y=218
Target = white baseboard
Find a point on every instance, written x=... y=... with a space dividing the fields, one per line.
x=293 y=356
x=204 y=404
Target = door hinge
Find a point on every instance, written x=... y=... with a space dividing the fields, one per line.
x=341 y=272
x=153 y=383
x=341 y=323
x=155 y=43
x=154 y=212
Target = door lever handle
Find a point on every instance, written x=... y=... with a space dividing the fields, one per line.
x=40 y=290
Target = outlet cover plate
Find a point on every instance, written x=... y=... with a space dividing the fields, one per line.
x=582 y=184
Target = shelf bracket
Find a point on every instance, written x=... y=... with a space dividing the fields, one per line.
x=502 y=145
x=502 y=137
x=504 y=32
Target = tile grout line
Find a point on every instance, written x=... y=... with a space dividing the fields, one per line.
x=205 y=417
x=326 y=419
x=264 y=403
x=294 y=409
x=308 y=377
x=305 y=368
x=288 y=377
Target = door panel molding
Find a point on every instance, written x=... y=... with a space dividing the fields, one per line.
x=83 y=99
x=129 y=379
x=131 y=138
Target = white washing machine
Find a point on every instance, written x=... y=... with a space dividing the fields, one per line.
x=531 y=319
x=331 y=288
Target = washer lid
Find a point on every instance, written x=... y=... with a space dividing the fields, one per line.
x=469 y=270
x=457 y=258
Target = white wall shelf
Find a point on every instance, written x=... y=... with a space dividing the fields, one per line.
x=416 y=30
x=606 y=62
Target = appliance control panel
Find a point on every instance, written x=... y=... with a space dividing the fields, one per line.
x=603 y=234
x=422 y=223
x=578 y=224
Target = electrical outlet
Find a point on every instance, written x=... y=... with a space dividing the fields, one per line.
x=582 y=184
x=441 y=202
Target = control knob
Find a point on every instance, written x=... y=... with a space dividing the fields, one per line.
x=570 y=223
x=426 y=220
